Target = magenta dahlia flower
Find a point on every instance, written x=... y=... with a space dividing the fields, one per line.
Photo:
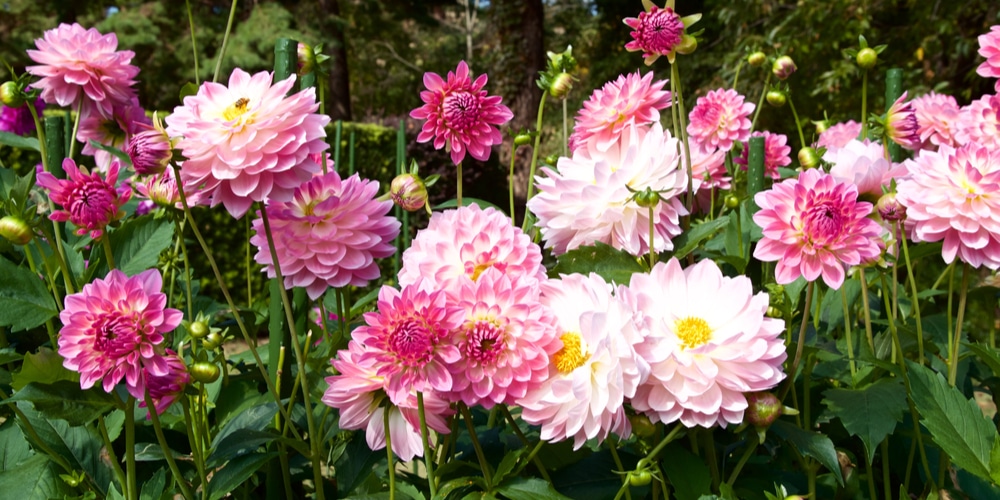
x=901 y=124
x=149 y=148
x=838 y=135
x=629 y=100
x=864 y=165
x=111 y=329
x=777 y=153
x=89 y=201
x=164 y=389
x=328 y=235
x=460 y=115
x=660 y=32
x=720 y=118
x=110 y=130
x=248 y=142
x=814 y=225
x=979 y=122
x=953 y=195
x=708 y=343
x=937 y=116
x=18 y=121
x=82 y=66
x=989 y=47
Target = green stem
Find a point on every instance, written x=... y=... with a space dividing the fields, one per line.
x=132 y=490
x=389 y=454
x=425 y=438
x=187 y=267
x=76 y=128
x=565 y=129
x=55 y=294
x=743 y=460
x=913 y=290
x=106 y=243
x=736 y=78
x=225 y=43
x=953 y=352
x=871 y=480
x=682 y=126
x=167 y=454
x=848 y=334
x=652 y=236
x=798 y=124
x=659 y=447
x=864 y=105
x=458 y=188
x=510 y=183
x=886 y=485
x=800 y=343
x=40 y=132
x=760 y=103
x=524 y=439
x=483 y=464
x=194 y=440
x=867 y=309
x=116 y=466
x=534 y=155
x=194 y=44
x=612 y=447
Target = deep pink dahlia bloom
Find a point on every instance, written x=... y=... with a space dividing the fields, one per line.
x=838 y=135
x=149 y=149
x=989 y=47
x=111 y=329
x=777 y=153
x=979 y=122
x=953 y=195
x=460 y=114
x=901 y=124
x=328 y=235
x=248 y=142
x=89 y=201
x=18 y=121
x=629 y=100
x=708 y=343
x=937 y=115
x=655 y=33
x=409 y=340
x=75 y=63
x=813 y=226
x=864 y=165
x=166 y=388
x=720 y=118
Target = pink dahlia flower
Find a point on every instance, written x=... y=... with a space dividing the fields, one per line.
x=953 y=195
x=628 y=101
x=777 y=153
x=18 y=121
x=89 y=201
x=409 y=340
x=979 y=122
x=813 y=226
x=161 y=189
x=505 y=341
x=328 y=235
x=720 y=118
x=864 y=165
x=937 y=115
x=901 y=124
x=595 y=371
x=111 y=329
x=989 y=47
x=838 y=135
x=248 y=142
x=708 y=167
x=591 y=198
x=709 y=342
x=111 y=130
x=166 y=388
x=660 y=32
x=149 y=149
x=460 y=114
x=465 y=242
x=76 y=63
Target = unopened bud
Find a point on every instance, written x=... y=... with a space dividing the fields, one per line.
x=688 y=44
x=866 y=58
x=808 y=157
x=409 y=192
x=306 y=59
x=522 y=139
x=889 y=208
x=149 y=150
x=763 y=409
x=10 y=95
x=783 y=67
x=647 y=198
x=561 y=85
x=776 y=98
x=641 y=425
x=15 y=230
x=821 y=126
x=757 y=59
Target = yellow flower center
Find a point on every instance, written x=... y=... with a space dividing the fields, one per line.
x=571 y=356
x=693 y=332
x=237 y=109
x=478 y=269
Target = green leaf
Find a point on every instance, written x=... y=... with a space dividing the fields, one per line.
x=24 y=301
x=688 y=473
x=530 y=489
x=956 y=423
x=80 y=446
x=810 y=443
x=136 y=245
x=152 y=488
x=187 y=89
x=686 y=242
x=355 y=465
x=832 y=309
x=238 y=443
x=65 y=400
x=995 y=461
x=45 y=366
x=613 y=265
x=987 y=355
x=117 y=153
x=870 y=413
x=236 y=472
x=16 y=141
x=256 y=418
x=35 y=479
x=13 y=446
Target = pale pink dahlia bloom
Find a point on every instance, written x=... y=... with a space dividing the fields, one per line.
x=625 y=102
x=777 y=153
x=989 y=47
x=720 y=118
x=954 y=195
x=979 y=122
x=506 y=340
x=77 y=65
x=937 y=116
x=89 y=201
x=248 y=142
x=111 y=329
x=460 y=114
x=838 y=135
x=590 y=198
x=409 y=340
x=465 y=242
x=165 y=388
x=708 y=343
x=864 y=164
x=328 y=235
x=901 y=124
x=595 y=371
x=161 y=189
x=814 y=225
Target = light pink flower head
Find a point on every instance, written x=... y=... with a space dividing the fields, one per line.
x=149 y=149
x=161 y=189
x=164 y=389
x=709 y=342
x=659 y=32
x=989 y=47
x=247 y=142
x=720 y=118
x=629 y=100
x=78 y=65
x=838 y=135
x=112 y=130
x=111 y=327
x=89 y=201
x=901 y=124
x=460 y=114
x=409 y=340
x=953 y=195
x=979 y=122
x=864 y=165
x=814 y=225
x=328 y=235
x=777 y=153
x=937 y=116
x=591 y=198
x=597 y=368
x=465 y=242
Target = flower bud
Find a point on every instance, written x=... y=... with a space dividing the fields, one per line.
x=409 y=192
x=522 y=139
x=764 y=408
x=688 y=44
x=212 y=341
x=808 y=157
x=16 y=230
x=821 y=125
x=776 y=98
x=198 y=329
x=783 y=67
x=10 y=95
x=647 y=198
x=889 y=208
x=551 y=160
x=866 y=58
x=561 y=85
x=641 y=425
x=149 y=150
x=732 y=201
x=757 y=59
x=204 y=372
x=306 y=59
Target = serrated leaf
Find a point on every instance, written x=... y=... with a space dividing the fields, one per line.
x=136 y=245
x=35 y=479
x=995 y=461
x=687 y=473
x=238 y=443
x=987 y=355
x=152 y=488
x=24 y=301
x=80 y=446
x=65 y=400
x=187 y=89
x=14 y=447
x=530 y=489
x=355 y=465
x=870 y=413
x=956 y=423
x=44 y=366
x=236 y=472
x=16 y=141
x=613 y=265
x=686 y=242
x=810 y=443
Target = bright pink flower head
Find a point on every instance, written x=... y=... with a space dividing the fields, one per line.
x=708 y=167
x=720 y=118
x=460 y=114
x=627 y=101
x=656 y=33
x=328 y=235
x=954 y=196
x=248 y=142
x=111 y=327
x=989 y=47
x=813 y=226
x=112 y=130
x=166 y=388
x=75 y=63
x=149 y=149
x=937 y=116
x=864 y=165
x=465 y=242
x=901 y=124
x=89 y=201
x=979 y=122
x=708 y=343
x=409 y=339
x=161 y=189
x=18 y=121
x=777 y=153
x=838 y=135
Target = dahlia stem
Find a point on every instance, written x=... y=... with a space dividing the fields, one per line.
x=246 y=262
x=867 y=309
x=194 y=44
x=760 y=102
x=682 y=126
x=954 y=345
x=800 y=343
x=76 y=128
x=652 y=253
x=225 y=42
x=849 y=336
x=116 y=466
x=534 y=156
x=913 y=290
x=187 y=266
x=196 y=445
x=388 y=451
x=425 y=440
x=524 y=439
x=886 y=485
x=167 y=454
x=458 y=196
x=659 y=447
x=864 y=105
x=612 y=447
x=55 y=294
x=106 y=243
x=40 y=132
x=736 y=77
x=510 y=182
x=132 y=490
x=565 y=129
x=483 y=464
x=798 y=124
x=751 y=447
